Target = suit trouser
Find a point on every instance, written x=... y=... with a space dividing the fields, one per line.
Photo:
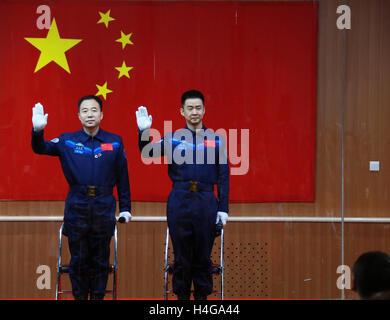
x=191 y=220
x=89 y=225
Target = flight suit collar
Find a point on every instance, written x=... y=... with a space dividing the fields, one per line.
x=194 y=132
x=84 y=137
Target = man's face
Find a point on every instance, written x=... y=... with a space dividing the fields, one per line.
x=90 y=114
x=193 y=111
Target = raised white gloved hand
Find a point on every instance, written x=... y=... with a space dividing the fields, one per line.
x=223 y=216
x=143 y=120
x=124 y=217
x=39 y=119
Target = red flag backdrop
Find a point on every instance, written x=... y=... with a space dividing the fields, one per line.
x=256 y=63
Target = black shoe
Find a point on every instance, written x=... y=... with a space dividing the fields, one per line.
x=97 y=296
x=200 y=297
x=81 y=297
x=183 y=297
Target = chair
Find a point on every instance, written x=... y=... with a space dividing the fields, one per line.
x=217 y=269
x=63 y=269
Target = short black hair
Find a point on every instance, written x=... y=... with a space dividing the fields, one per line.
x=91 y=97
x=371 y=273
x=191 y=94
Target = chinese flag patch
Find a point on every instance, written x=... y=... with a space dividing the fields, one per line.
x=209 y=143
x=106 y=147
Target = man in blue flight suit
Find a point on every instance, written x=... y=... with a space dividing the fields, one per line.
x=93 y=162
x=197 y=160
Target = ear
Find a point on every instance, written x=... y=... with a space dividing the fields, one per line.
x=101 y=115
x=182 y=111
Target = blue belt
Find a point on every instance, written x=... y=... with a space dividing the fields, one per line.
x=194 y=186
x=91 y=191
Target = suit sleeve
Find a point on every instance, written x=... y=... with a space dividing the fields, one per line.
x=223 y=176
x=150 y=149
x=123 y=184
x=40 y=146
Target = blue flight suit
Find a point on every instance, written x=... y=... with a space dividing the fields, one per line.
x=89 y=216
x=192 y=207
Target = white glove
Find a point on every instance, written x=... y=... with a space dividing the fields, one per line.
x=143 y=120
x=223 y=216
x=124 y=217
x=39 y=119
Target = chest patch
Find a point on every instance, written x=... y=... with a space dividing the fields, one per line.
x=106 y=147
x=79 y=148
x=209 y=143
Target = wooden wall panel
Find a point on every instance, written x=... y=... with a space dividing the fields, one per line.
x=299 y=260
x=363 y=237
x=275 y=260
x=367 y=135
x=23 y=247
x=141 y=259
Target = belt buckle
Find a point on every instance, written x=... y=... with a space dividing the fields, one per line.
x=91 y=191
x=194 y=186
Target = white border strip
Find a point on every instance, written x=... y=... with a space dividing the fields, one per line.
x=231 y=219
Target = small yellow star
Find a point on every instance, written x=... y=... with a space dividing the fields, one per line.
x=125 y=39
x=105 y=18
x=123 y=70
x=103 y=90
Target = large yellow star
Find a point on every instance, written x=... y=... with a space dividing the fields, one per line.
x=124 y=70
x=124 y=39
x=105 y=18
x=103 y=90
x=53 y=48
